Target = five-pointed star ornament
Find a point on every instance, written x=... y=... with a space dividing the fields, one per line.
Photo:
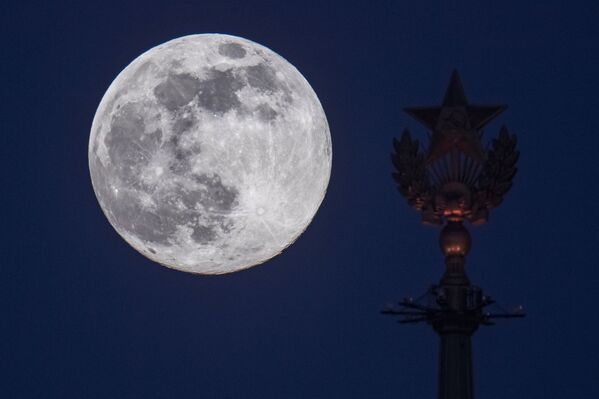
x=455 y=124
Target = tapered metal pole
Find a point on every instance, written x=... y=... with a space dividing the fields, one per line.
x=455 y=367
x=456 y=323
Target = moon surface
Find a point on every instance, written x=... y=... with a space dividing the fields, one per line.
x=210 y=154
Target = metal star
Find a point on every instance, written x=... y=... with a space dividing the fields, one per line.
x=455 y=124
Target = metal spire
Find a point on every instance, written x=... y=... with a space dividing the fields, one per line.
x=454 y=182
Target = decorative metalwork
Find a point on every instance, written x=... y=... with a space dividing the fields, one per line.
x=453 y=181
x=432 y=308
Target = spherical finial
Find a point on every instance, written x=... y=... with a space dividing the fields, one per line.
x=454 y=239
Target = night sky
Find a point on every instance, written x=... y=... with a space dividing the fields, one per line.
x=85 y=316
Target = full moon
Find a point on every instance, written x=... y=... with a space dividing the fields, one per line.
x=210 y=154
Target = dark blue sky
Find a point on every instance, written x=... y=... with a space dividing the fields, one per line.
x=85 y=316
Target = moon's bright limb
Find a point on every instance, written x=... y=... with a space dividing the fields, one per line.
x=210 y=154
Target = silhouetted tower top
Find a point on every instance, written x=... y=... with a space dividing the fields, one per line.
x=453 y=181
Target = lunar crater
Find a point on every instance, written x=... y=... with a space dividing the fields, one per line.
x=232 y=50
